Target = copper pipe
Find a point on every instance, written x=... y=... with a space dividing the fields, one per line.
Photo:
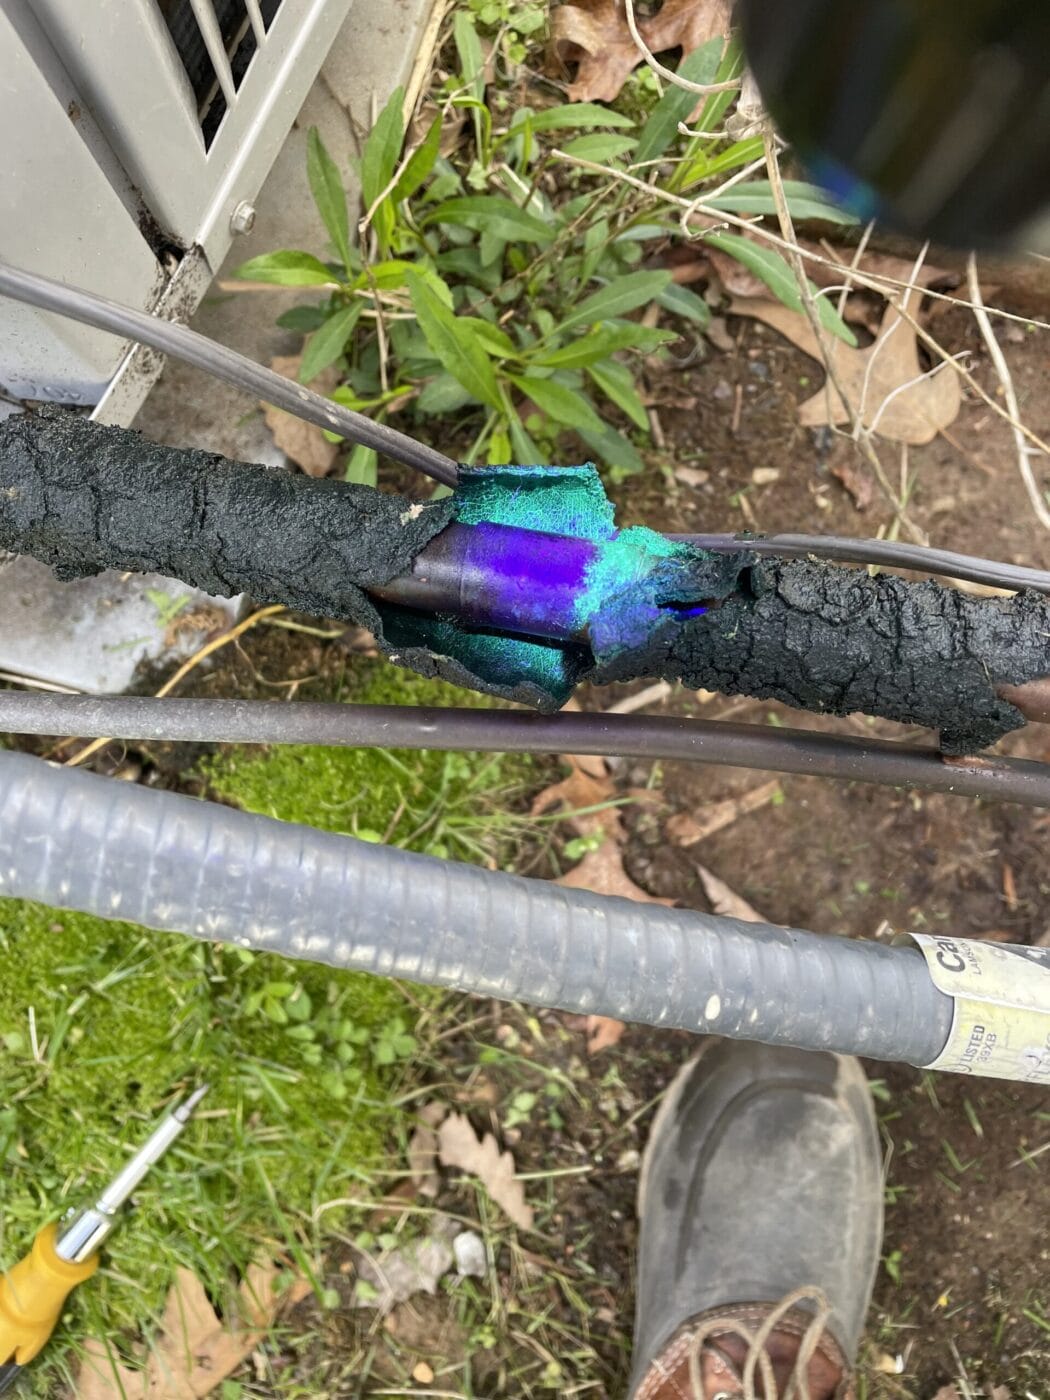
x=1032 y=699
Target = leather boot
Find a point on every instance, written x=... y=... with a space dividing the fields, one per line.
x=760 y=1203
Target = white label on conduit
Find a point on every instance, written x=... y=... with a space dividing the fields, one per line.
x=1001 y=1021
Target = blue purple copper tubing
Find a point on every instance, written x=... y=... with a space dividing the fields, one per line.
x=533 y=583
x=501 y=577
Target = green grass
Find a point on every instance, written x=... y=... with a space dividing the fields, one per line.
x=100 y=1022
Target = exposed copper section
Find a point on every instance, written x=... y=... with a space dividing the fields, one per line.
x=1032 y=699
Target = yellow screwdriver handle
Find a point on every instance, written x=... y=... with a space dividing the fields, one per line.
x=32 y=1295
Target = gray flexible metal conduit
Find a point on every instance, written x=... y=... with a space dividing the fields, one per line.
x=165 y=861
x=804 y=751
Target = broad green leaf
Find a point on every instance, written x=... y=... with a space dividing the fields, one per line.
x=603 y=341
x=361 y=403
x=443 y=394
x=286 y=268
x=616 y=382
x=382 y=149
x=712 y=112
x=595 y=240
x=455 y=345
x=771 y=268
x=500 y=452
x=420 y=164
x=600 y=146
x=676 y=104
x=326 y=186
x=557 y=401
x=445 y=183
x=577 y=114
x=525 y=450
x=497 y=342
x=805 y=201
x=390 y=275
x=680 y=301
x=327 y=344
x=471 y=56
x=491 y=249
x=702 y=167
x=302 y=318
x=625 y=294
x=472 y=69
x=645 y=233
x=614 y=450
x=493 y=214
x=387 y=275
x=362 y=466
x=461 y=262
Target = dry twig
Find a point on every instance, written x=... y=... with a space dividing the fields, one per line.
x=1002 y=369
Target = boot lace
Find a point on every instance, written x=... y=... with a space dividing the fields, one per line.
x=757 y=1359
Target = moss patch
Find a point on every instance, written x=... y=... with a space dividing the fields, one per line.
x=100 y=1022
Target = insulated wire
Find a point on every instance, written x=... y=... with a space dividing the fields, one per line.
x=945 y=562
x=799 y=751
x=184 y=344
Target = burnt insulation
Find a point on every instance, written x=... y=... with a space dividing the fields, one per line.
x=837 y=641
x=83 y=497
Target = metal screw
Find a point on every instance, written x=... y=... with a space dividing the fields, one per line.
x=242 y=220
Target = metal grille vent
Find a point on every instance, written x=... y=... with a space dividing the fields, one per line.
x=216 y=40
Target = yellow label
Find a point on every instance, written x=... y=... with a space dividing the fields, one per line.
x=1001 y=994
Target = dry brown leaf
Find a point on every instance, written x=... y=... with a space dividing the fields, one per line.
x=459 y=1146
x=855 y=480
x=194 y=1351
x=726 y=901
x=685 y=830
x=695 y=263
x=687 y=24
x=422 y=1150
x=948 y=1392
x=883 y=381
x=602 y=872
x=304 y=443
x=579 y=789
x=603 y=1032
x=594 y=35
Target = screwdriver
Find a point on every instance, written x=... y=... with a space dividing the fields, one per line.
x=66 y=1253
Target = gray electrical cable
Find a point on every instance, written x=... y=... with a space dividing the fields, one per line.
x=183 y=344
x=513 y=731
x=122 y=851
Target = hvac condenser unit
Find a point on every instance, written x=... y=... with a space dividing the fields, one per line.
x=134 y=136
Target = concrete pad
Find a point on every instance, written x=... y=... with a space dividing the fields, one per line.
x=92 y=634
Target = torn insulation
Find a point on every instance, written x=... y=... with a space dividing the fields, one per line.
x=543 y=557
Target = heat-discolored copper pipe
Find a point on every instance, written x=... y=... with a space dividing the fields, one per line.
x=1032 y=699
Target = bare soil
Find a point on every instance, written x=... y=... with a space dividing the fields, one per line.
x=963 y=1296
